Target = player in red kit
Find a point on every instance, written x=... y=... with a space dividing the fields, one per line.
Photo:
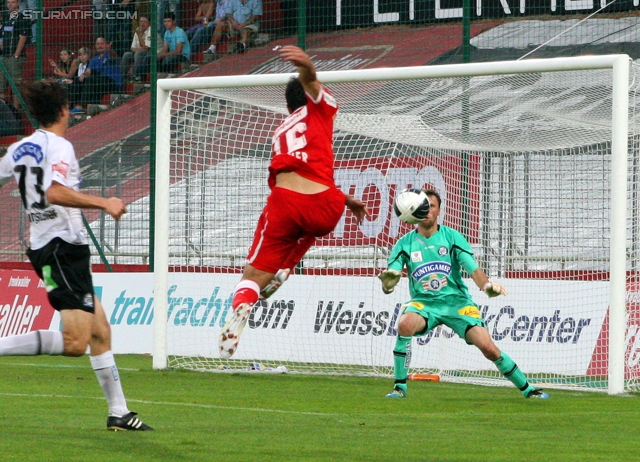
x=304 y=202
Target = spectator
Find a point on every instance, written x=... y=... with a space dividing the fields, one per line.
x=206 y=9
x=243 y=18
x=75 y=83
x=119 y=22
x=30 y=5
x=14 y=41
x=101 y=77
x=67 y=66
x=9 y=122
x=139 y=50
x=167 y=6
x=176 y=48
x=203 y=34
x=100 y=22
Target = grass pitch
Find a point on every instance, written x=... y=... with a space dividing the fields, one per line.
x=52 y=409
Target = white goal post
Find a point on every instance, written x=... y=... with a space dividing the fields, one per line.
x=537 y=164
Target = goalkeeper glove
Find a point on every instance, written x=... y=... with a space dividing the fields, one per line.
x=493 y=289
x=389 y=280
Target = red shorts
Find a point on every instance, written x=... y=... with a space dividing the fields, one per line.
x=289 y=225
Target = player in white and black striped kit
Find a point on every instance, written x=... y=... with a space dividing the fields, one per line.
x=48 y=176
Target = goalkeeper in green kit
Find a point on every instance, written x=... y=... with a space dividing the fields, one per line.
x=434 y=256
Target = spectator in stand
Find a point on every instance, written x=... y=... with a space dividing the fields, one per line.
x=102 y=77
x=76 y=82
x=139 y=50
x=14 y=41
x=176 y=49
x=9 y=122
x=119 y=22
x=203 y=34
x=30 y=5
x=100 y=22
x=206 y=9
x=164 y=7
x=67 y=67
x=243 y=18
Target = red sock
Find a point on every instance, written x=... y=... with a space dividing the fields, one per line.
x=247 y=291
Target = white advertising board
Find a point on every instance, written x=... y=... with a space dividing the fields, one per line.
x=309 y=320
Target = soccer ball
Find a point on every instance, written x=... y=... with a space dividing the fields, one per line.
x=411 y=206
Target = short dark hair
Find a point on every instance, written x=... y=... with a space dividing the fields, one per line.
x=294 y=94
x=45 y=100
x=170 y=15
x=434 y=193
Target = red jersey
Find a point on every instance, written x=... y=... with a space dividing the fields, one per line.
x=303 y=143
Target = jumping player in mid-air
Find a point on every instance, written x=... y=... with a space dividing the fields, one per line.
x=304 y=202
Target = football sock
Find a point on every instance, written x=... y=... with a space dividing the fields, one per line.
x=40 y=342
x=510 y=370
x=401 y=360
x=104 y=366
x=247 y=291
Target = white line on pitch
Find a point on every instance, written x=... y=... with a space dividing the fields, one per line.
x=166 y=403
x=65 y=366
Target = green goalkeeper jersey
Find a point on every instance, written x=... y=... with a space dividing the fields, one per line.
x=434 y=264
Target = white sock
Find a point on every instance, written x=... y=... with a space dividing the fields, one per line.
x=212 y=48
x=40 y=342
x=105 y=368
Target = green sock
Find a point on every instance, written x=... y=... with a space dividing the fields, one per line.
x=401 y=361
x=510 y=370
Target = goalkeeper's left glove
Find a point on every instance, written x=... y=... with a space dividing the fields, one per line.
x=389 y=280
x=493 y=289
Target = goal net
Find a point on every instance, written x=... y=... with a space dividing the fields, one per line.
x=537 y=163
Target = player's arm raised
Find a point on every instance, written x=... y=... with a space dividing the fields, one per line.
x=306 y=69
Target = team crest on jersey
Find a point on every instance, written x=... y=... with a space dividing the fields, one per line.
x=442 y=251
x=433 y=283
x=416 y=256
x=28 y=149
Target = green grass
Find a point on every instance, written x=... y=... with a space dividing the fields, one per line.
x=52 y=409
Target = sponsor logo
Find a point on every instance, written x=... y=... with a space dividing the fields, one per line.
x=332 y=316
x=18 y=317
x=416 y=256
x=19 y=282
x=28 y=149
x=62 y=168
x=189 y=311
x=433 y=268
x=471 y=311
x=416 y=305
x=37 y=217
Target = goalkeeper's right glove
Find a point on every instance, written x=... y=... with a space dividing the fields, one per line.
x=389 y=280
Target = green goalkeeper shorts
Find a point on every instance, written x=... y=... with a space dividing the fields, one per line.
x=459 y=314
